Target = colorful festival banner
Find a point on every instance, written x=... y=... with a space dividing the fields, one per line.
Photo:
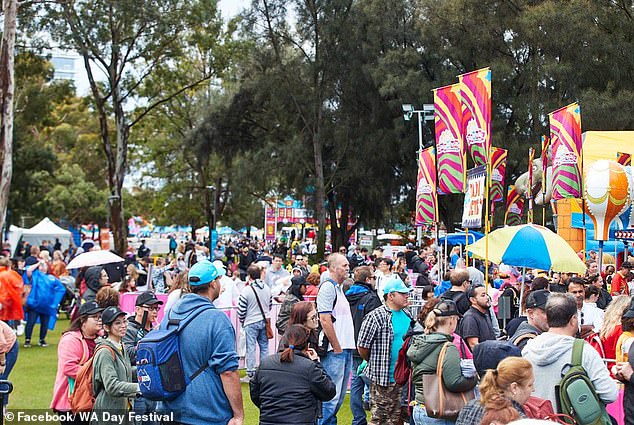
x=514 y=207
x=624 y=158
x=426 y=197
x=474 y=197
x=475 y=94
x=498 y=170
x=270 y=224
x=452 y=160
x=565 y=137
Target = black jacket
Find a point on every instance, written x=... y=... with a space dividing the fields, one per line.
x=133 y=335
x=604 y=299
x=459 y=297
x=290 y=393
x=362 y=299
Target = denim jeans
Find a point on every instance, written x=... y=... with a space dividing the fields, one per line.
x=337 y=366
x=357 y=387
x=420 y=417
x=143 y=406
x=31 y=319
x=10 y=358
x=256 y=335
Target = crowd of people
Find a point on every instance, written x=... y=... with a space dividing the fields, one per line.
x=417 y=339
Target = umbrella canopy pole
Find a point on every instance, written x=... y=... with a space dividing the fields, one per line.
x=466 y=242
x=446 y=265
x=522 y=290
x=438 y=270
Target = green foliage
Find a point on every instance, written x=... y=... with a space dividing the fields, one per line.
x=74 y=198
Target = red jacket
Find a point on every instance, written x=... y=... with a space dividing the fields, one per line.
x=11 y=285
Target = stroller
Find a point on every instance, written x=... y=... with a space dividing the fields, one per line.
x=71 y=297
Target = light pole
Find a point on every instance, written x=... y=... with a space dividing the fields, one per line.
x=425 y=114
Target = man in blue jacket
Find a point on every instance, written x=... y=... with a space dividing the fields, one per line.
x=213 y=396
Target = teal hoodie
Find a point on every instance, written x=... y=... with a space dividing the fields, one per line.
x=423 y=353
x=209 y=339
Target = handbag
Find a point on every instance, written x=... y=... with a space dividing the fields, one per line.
x=439 y=402
x=269 y=330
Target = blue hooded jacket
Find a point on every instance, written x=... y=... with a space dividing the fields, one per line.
x=210 y=339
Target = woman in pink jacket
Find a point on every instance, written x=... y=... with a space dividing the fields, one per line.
x=75 y=347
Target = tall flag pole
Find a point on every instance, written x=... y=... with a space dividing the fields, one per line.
x=529 y=191
x=475 y=94
x=426 y=197
x=545 y=158
x=452 y=158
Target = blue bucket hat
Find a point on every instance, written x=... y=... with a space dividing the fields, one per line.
x=202 y=272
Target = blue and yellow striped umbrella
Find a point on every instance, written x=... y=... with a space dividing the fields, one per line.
x=531 y=246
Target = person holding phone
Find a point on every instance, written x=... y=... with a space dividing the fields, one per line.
x=146 y=311
x=289 y=386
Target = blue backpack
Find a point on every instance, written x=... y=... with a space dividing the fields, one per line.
x=160 y=369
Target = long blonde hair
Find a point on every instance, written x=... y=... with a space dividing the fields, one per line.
x=613 y=314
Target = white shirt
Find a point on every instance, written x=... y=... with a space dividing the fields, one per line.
x=592 y=315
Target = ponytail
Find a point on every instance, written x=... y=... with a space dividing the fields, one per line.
x=295 y=338
x=496 y=381
x=499 y=410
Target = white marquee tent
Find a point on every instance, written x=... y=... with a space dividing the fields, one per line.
x=46 y=230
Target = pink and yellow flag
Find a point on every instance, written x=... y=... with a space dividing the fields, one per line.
x=514 y=207
x=624 y=158
x=565 y=137
x=426 y=198
x=498 y=170
x=452 y=161
x=475 y=94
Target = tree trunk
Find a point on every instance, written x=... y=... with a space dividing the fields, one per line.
x=119 y=230
x=6 y=103
x=320 y=194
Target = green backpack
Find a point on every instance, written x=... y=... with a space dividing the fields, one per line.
x=576 y=395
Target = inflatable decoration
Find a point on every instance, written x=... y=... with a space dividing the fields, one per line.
x=607 y=194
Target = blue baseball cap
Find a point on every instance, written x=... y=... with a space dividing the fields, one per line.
x=395 y=284
x=202 y=272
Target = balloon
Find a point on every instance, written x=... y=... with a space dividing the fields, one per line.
x=607 y=194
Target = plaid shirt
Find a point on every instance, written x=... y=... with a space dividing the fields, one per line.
x=376 y=334
x=473 y=412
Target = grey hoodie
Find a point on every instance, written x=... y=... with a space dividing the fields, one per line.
x=549 y=353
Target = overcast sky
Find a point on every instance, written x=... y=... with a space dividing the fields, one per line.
x=230 y=8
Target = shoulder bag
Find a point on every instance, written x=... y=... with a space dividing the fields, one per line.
x=439 y=402
x=269 y=330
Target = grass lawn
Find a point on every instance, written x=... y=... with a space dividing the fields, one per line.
x=34 y=375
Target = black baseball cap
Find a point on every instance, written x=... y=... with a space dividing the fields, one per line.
x=446 y=308
x=147 y=298
x=88 y=308
x=110 y=314
x=537 y=299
